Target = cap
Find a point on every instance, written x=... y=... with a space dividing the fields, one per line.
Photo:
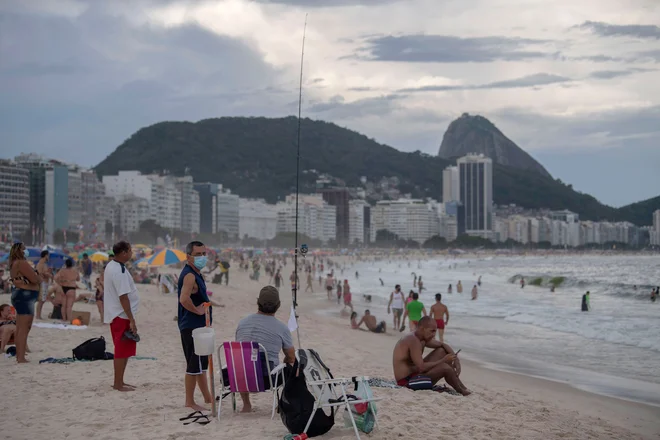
x=268 y=296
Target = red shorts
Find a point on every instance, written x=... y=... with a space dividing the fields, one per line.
x=124 y=347
x=404 y=382
x=441 y=324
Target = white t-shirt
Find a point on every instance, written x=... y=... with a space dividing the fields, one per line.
x=118 y=281
x=397 y=300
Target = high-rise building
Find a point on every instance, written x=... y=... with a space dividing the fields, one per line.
x=476 y=193
x=208 y=206
x=655 y=230
x=190 y=209
x=37 y=165
x=257 y=219
x=173 y=201
x=359 y=223
x=316 y=218
x=56 y=213
x=450 y=184
x=339 y=197
x=228 y=214
x=92 y=199
x=451 y=217
x=132 y=211
x=409 y=219
x=14 y=198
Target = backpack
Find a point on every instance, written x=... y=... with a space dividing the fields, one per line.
x=90 y=350
x=297 y=402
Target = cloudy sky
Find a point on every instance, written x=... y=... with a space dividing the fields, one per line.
x=574 y=82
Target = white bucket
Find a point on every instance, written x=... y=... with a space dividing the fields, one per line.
x=204 y=339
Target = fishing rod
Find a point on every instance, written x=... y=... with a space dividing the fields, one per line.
x=304 y=251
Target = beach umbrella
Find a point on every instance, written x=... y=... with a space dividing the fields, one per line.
x=141 y=263
x=98 y=257
x=166 y=257
x=56 y=259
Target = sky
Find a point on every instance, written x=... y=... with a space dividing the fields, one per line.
x=574 y=83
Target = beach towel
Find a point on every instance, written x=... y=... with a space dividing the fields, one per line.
x=380 y=382
x=59 y=326
x=109 y=356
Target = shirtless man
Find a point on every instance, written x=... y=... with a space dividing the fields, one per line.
x=442 y=362
x=46 y=276
x=438 y=312
x=370 y=321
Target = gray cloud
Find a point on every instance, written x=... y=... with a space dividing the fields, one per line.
x=538 y=79
x=614 y=30
x=130 y=77
x=362 y=89
x=422 y=48
x=609 y=74
x=328 y=3
x=338 y=108
x=599 y=153
x=650 y=55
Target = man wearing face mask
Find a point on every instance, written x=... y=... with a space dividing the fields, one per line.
x=192 y=315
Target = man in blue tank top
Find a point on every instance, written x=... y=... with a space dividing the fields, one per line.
x=192 y=315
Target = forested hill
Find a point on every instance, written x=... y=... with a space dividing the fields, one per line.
x=256 y=157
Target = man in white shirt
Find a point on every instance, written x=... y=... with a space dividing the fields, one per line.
x=121 y=305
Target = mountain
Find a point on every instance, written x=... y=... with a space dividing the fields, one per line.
x=256 y=157
x=476 y=134
x=640 y=211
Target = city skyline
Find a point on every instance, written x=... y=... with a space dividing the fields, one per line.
x=570 y=83
x=70 y=198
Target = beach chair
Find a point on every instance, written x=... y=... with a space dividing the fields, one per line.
x=332 y=392
x=245 y=372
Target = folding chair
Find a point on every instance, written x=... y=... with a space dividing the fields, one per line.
x=245 y=371
x=330 y=392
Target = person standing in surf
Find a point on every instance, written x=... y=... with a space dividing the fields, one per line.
x=585 y=302
x=396 y=305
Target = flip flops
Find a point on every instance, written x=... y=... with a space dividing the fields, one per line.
x=196 y=417
x=132 y=336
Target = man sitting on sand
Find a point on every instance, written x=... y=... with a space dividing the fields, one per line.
x=370 y=321
x=442 y=362
x=264 y=328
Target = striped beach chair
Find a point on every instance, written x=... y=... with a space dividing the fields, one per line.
x=245 y=371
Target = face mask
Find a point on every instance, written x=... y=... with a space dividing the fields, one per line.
x=200 y=262
x=26 y=253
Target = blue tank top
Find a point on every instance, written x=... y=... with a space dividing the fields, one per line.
x=186 y=318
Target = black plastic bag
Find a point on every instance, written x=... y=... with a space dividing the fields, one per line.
x=90 y=350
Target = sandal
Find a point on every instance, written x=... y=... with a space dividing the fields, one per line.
x=196 y=417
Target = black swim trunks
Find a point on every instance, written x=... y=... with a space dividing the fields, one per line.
x=195 y=365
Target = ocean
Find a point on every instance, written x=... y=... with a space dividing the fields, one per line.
x=612 y=350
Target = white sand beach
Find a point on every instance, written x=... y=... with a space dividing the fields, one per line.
x=75 y=401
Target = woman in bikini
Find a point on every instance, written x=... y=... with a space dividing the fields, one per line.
x=24 y=294
x=67 y=278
